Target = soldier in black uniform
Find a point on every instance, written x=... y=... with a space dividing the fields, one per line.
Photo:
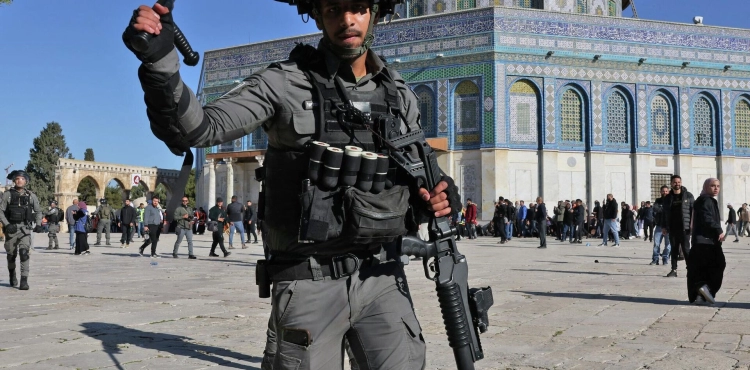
x=19 y=211
x=342 y=289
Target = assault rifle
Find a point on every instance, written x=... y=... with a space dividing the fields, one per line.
x=464 y=310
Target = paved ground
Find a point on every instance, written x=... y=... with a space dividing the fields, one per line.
x=554 y=308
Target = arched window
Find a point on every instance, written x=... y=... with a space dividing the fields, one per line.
x=703 y=123
x=523 y=112
x=426 y=100
x=466 y=107
x=582 y=7
x=617 y=119
x=742 y=124
x=466 y=4
x=612 y=11
x=571 y=123
x=661 y=121
x=417 y=8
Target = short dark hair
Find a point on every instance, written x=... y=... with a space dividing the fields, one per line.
x=155 y=197
x=664 y=186
x=468 y=199
x=674 y=177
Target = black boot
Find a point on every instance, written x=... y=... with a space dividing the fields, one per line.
x=24 y=283
x=13 y=278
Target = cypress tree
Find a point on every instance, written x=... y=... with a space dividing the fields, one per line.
x=49 y=146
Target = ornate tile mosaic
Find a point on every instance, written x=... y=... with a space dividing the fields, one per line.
x=596 y=97
x=742 y=124
x=500 y=130
x=685 y=122
x=618 y=119
x=661 y=121
x=642 y=121
x=703 y=122
x=549 y=98
x=726 y=129
x=442 y=106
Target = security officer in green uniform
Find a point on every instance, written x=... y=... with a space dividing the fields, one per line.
x=54 y=216
x=19 y=210
x=352 y=291
x=106 y=214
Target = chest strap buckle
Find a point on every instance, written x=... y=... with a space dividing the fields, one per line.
x=344 y=265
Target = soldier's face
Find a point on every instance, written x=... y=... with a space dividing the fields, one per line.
x=345 y=21
x=19 y=181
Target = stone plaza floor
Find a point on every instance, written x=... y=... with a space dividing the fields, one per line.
x=554 y=309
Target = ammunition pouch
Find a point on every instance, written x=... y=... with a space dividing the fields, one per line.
x=350 y=216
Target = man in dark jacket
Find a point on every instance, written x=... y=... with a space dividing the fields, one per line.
x=660 y=220
x=540 y=216
x=678 y=208
x=127 y=223
x=610 y=218
x=250 y=221
x=217 y=214
x=235 y=212
x=646 y=213
x=580 y=218
x=498 y=219
x=731 y=222
x=599 y=217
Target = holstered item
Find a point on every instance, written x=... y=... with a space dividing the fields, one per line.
x=262 y=280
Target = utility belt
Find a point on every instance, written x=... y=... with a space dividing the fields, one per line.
x=312 y=268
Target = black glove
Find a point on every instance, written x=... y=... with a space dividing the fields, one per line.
x=159 y=46
x=11 y=229
x=454 y=198
x=38 y=229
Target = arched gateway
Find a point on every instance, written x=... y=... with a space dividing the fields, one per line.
x=70 y=172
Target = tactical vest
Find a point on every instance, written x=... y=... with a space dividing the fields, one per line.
x=19 y=207
x=54 y=217
x=287 y=169
x=105 y=213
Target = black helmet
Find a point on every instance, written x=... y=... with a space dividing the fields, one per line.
x=103 y=201
x=306 y=6
x=51 y=202
x=12 y=176
x=380 y=7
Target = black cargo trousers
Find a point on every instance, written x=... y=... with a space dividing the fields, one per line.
x=371 y=309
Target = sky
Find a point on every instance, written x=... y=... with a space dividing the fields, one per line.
x=64 y=61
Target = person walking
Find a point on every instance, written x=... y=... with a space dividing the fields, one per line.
x=127 y=223
x=82 y=220
x=579 y=219
x=105 y=214
x=660 y=220
x=153 y=220
x=646 y=214
x=744 y=220
x=731 y=224
x=218 y=215
x=541 y=220
x=54 y=216
x=706 y=262
x=250 y=220
x=610 y=219
x=183 y=214
x=69 y=212
x=140 y=212
x=678 y=208
x=471 y=218
x=235 y=212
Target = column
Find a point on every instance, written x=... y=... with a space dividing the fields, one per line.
x=211 y=182
x=230 y=179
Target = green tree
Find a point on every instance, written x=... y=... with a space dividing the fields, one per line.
x=137 y=191
x=89 y=155
x=49 y=146
x=3 y=2
x=161 y=191
x=113 y=194
x=87 y=191
x=190 y=188
x=70 y=156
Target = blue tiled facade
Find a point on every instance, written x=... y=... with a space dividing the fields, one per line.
x=554 y=51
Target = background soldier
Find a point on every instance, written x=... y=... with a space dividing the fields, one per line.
x=106 y=214
x=19 y=209
x=54 y=217
x=339 y=292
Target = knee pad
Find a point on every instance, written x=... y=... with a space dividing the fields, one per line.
x=24 y=253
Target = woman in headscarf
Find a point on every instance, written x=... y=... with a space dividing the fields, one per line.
x=81 y=217
x=706 y=262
